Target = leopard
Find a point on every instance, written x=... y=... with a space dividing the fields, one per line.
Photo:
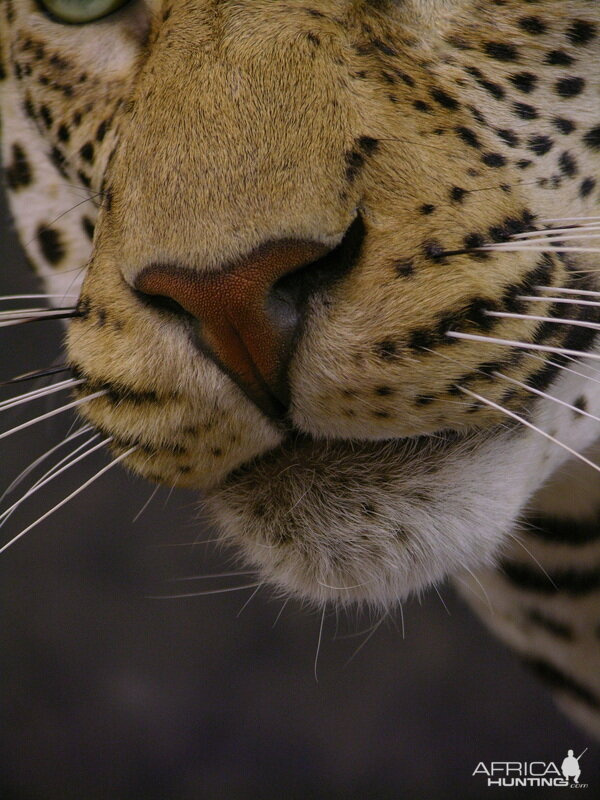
x=331 y=265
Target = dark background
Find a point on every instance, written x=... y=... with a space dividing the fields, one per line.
x=106 y=693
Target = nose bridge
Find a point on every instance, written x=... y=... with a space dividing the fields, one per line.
x=218 y=156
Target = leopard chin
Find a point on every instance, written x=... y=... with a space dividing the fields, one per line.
x=370 y=522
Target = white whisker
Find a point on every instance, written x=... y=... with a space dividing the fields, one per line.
x=249 y=600
x=531 y=426
x=210 y=577
x=474 y=337
x=549 y=220
x=146 y=504
x=587 y=292
x=63 y=502
x=546 y=396
x=36 y=394
x=202 y=594
x=53 y=413
x=40 y=460
x=8 y=297
x=509 y=247
x=594 y=326
x=54 y=473
x=516 y=539
x=567 y=300
x=319 y=643
x=552 y=231
x=373 y=630
x=562 y=366
x=553 y=237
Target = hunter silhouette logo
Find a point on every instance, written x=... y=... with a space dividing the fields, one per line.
x=570 y=766
x=513 y=774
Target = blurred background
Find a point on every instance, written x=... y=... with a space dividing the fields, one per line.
x=108 y=693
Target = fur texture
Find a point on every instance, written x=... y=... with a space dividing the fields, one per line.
x=202 y=130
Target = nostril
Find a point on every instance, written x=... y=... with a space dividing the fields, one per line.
x=161 y=302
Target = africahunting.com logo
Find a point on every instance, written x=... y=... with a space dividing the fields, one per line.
x=511 y=774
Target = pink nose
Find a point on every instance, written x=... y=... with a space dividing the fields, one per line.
x=246 y=326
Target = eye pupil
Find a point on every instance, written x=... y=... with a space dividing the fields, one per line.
x=78 y=12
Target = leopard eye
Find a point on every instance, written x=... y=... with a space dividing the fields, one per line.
x=78 y=12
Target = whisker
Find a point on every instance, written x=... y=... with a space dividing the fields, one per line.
x=54 y=473
x=249 y=600
x=53 y=413
x=64 y=213
x=26 y=313
x=281 y=610
x=371 y=633
x=63 y=502
x=210 y=577
x=529 y=425
x=320 y=639
x=562 y=366
x=474 y=337
x=567 y=219
x=594 y=326
x=40 y=373
x=573 y=302
x=146 y=504
x=202 y=594
x=516 y=539
x=40 y=460
x=37 y=394
x=45 y=317
x=554 y=231
x=587 y=292
x=7 y=297
x=509 y=247
x=539 y=393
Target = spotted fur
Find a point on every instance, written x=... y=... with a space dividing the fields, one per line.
x=191 y=133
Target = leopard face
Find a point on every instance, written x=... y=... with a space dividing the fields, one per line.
x=295 y=205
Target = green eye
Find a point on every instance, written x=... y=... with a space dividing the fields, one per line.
x=80 y=11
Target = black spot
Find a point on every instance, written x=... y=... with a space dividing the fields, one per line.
x=384 y=391
x=580 y=403
x=87 y=152
x=85 y=179
x=493 y=159
x=558 y=58
x=592 y=138
x=407 y=79
x=46 y=115
x=420 y=105
x=492 y=88
x=101 y=131
x=387 y=349
x=433 y=249
x=444 y=99
x=533 y=25
x=501 y=51
x=313 y=39
x=384 y=48
x=567 y=164
x=525 y=111
x=419 y=340
x=581 y=32
x=404 y=268
x=368 y=145
x=28 y=108
x=540 y=144
x=50 y=244
x=63 y=133
x=18 y=173
x=59 y=161
x=508 y=137
x=523 y=163
x=587 y=187
x=424 y=399
x=88 y=227
x=468 y=136
x=569 y=87
x=564 y=125
x=457 y=194
x=524 y=81
x=427 y=208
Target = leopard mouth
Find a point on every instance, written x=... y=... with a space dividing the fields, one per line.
x=363 y=521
